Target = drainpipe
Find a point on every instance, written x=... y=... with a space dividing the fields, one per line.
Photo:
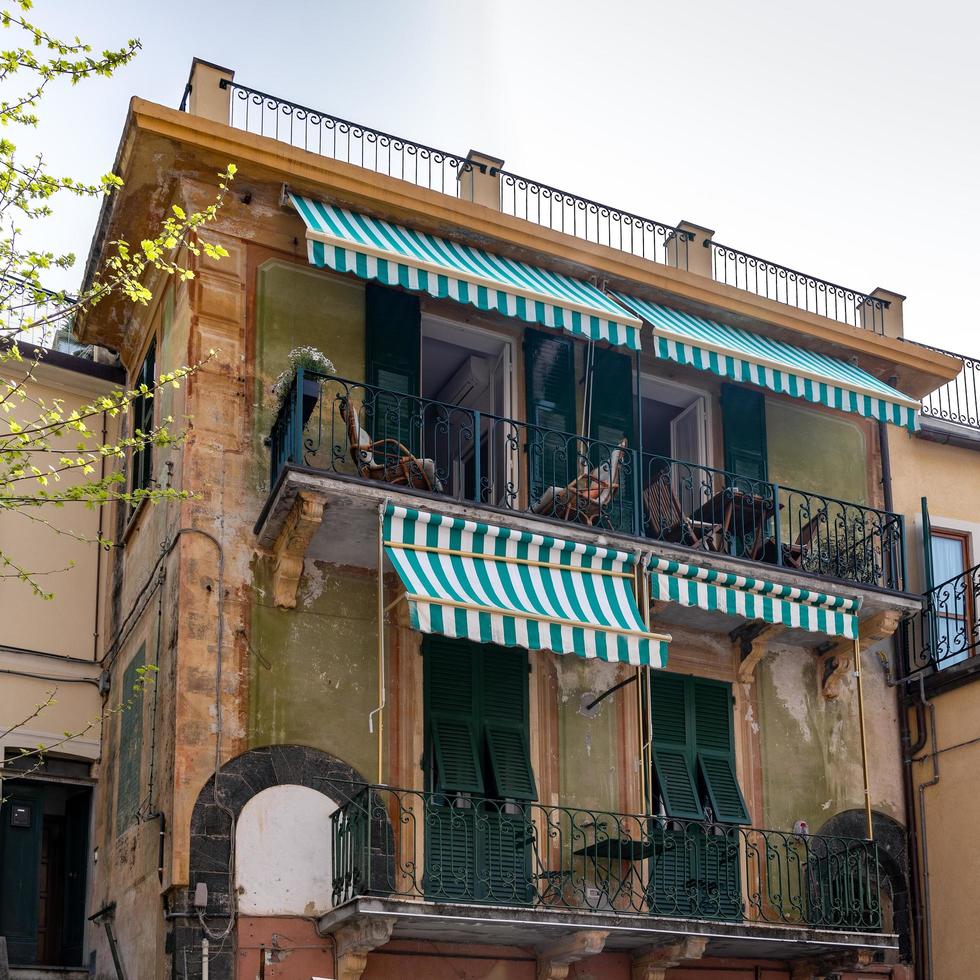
x=886 y=466
x=924 y=844
x=106 y=914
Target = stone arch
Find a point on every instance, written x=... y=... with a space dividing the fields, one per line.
x=893 y=862
x=212 y=831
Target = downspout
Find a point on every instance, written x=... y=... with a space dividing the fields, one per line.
x=926 y=894
x=886 y=466
x=382 y=690
x=105 y=914
x=98 y=567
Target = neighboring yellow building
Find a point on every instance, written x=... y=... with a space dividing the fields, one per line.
x=49 y=688
x=941 y=464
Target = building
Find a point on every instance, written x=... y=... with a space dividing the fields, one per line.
x=50 y=692
x=553 y=427
x=937 y=666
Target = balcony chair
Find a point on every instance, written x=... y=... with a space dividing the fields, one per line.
x=588 y=497
x=386 y=459
x=667 y=521
x=794 y=554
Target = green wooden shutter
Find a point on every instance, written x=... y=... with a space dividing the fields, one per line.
x=393 y=352
x=715 y=740
x=143 y=420
x=505 y=720
x=673 y=749
x=451 y=715
x=130 y=743
x=612 y=421
x=744 y=428
x=549 y=371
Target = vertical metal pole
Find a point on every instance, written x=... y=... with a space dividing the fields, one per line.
x=640 y=728
x=638 y=457
x=477 y=451
x=381 y=642
x=864 y=737
x=296 y=450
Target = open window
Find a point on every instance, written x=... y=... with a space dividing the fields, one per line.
x=468 y=372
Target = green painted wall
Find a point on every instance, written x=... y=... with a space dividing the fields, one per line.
x=816 y=451
x=314 y=674
x=588 y=748
x=297 y=306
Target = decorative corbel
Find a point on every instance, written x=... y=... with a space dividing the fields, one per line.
x=879 y=627
x=834 y=663
x=289 y=550
x=358 y=938
x=555 y=959
x=818 y=969
x=652 y=963
x=752 y=639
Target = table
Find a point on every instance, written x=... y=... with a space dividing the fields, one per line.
x=625 y=851
x=740 y=512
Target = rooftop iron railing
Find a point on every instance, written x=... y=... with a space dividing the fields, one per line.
x=792 y=288
x=418 y=444
x=946 y=632
x=398 y=843
x=439 y=170
x=958 y=400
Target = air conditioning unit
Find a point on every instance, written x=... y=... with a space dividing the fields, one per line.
x=468 y=383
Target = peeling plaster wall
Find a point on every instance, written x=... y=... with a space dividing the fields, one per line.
x=811 y=747
x=314 y=671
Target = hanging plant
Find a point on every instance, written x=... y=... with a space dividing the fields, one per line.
x=308 y=358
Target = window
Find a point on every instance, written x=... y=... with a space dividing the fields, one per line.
x=477 y=741
x=143 y=421
x=953 y=598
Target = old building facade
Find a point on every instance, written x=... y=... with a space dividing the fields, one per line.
x=536 y=638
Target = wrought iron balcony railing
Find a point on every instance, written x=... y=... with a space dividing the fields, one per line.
x=33 y=315
x=350 y=428
x=946 y=631
x=959 y=400
x=805 y=292
x=467 y=849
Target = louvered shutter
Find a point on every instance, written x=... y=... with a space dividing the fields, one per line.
x=505 y=719
x=451 y=715
x=612 y=421
x=393 y=352
x=673 y=749
x=549 y=371
x=715 y=741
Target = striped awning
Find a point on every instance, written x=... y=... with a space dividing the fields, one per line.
x=514 y=588
x=738 y=595
x=752 y=358
x=398 y=256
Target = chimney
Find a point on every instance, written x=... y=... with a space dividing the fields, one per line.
x=693 y=254
x=883 y=317
x=480 y=181
x=204 y=95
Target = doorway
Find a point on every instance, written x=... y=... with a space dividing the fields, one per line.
x=466 y=384
x=44 y=837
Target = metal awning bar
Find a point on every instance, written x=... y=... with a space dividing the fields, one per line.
x=516 y=588
x=395 y=255
x=740 y=355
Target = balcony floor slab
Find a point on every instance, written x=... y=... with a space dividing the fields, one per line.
x=348 y=535
x=506 y=926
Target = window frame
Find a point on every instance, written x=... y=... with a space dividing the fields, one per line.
x=144 y=411
x=968 y=618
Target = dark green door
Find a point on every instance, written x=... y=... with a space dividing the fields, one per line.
x=76 y=864
x=21 y=828
x=744 y=429
x=612 y=403
x=393 y=352
x=477 y=761
x=553 y=451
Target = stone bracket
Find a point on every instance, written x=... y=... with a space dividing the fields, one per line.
x=555 y=959
x=289 y=551
x=752 y=639
x=836 y=658
x=818 y=969
x=652 y=963
x=356 y=939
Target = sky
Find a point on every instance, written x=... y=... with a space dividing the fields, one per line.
x=838 y=138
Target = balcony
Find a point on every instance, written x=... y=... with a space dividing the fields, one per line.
x=432 y=855
x=956 y=405
x=405 y=443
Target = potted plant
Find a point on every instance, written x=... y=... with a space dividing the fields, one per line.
x=312 y=360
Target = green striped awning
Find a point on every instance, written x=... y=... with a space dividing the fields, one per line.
x=515 y=588
x=749 y=357
x=737 y=595
x=398 y=256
